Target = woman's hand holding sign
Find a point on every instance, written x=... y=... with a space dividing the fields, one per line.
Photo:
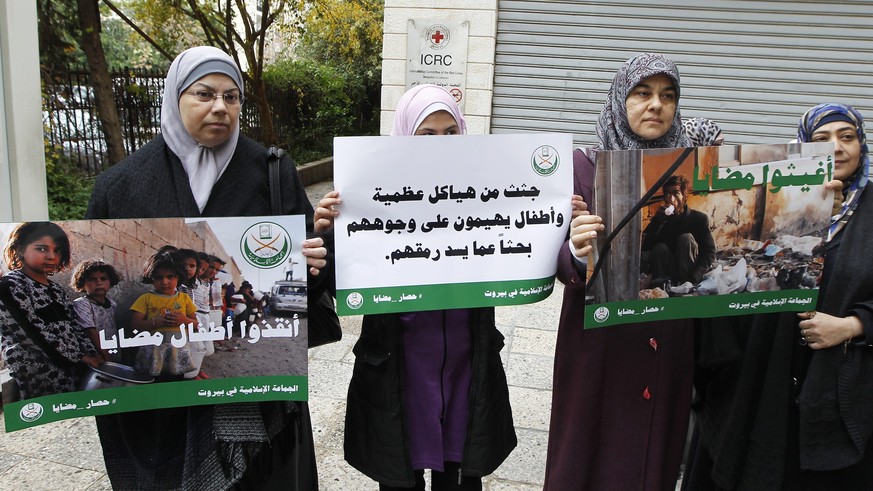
x=583 y=228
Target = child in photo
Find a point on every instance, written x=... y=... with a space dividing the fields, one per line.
x=216 y=303
x=41 y=341
x=96 y=311
x=162 y=311
x=187 y=259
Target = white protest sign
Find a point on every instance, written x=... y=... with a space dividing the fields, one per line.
x=449 y=221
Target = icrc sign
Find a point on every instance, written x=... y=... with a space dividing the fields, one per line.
x=436 y=53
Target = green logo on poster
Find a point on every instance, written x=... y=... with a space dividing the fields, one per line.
x=31 y=412
x=265 y=245
x=601 y=314
x=545 y=160
x=355 y=300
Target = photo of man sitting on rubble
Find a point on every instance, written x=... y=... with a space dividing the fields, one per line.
x=677 y=245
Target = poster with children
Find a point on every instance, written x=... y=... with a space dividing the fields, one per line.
x=709 y=231
x=109 y=316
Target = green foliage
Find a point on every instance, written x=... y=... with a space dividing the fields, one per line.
x=332 y=89
x=59 y=35
x=333 y=86
x=164 y=22
x=124 y=48
x=69 y=189
x=344 y=33
x=315 y=102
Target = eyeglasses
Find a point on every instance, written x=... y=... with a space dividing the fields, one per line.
x=230 y=98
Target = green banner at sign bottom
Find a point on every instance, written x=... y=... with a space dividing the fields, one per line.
x=47 y=409
x=616 y=313
x=446 y=296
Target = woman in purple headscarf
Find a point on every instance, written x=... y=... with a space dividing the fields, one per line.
x=621 y=397
x=428 y=389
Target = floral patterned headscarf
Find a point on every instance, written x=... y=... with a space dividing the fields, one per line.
x=828 y=113
x=613 y=128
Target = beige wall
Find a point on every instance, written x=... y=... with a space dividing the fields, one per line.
x=482 y=16
x=211 y=245
x=127 y=244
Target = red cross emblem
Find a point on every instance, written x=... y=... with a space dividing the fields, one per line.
x=438 y=36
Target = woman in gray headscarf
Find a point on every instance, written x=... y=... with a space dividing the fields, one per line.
x=622 y=395
x=201 y=165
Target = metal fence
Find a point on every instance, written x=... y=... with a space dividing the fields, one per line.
x=70 y=115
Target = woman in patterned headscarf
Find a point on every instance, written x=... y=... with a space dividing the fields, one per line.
x=852 y=164
x=836 y=421
x=786 y=402
x=641 y=109
x=622 y=395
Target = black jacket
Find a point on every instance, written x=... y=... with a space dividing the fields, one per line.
x=206 y=447
x=770 y=406
x=836 y=401
x=152 y=183
x=375 y=441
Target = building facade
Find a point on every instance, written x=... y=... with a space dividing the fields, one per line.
x=752 y=66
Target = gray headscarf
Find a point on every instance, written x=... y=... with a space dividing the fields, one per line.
x=613 y=129
x=202 y=164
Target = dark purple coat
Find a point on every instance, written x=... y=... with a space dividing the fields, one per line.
x=621 y=396
x=375 y=441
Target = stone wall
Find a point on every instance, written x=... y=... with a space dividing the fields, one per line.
x=213 y=246
x=127 y=244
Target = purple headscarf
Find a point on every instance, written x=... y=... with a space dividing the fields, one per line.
x=613 y=129
x=420 y=102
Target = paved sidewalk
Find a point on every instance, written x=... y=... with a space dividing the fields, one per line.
x=67 y=456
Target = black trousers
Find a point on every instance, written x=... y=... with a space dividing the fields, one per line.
x=442 y=481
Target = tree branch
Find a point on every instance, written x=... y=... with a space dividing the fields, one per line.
x=138 y=30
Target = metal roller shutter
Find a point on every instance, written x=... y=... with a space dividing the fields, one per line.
x=753 y=67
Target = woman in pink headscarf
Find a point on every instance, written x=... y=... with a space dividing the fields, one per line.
x=428 y=389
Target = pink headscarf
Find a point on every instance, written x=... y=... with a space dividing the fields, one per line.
x=420 y=102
